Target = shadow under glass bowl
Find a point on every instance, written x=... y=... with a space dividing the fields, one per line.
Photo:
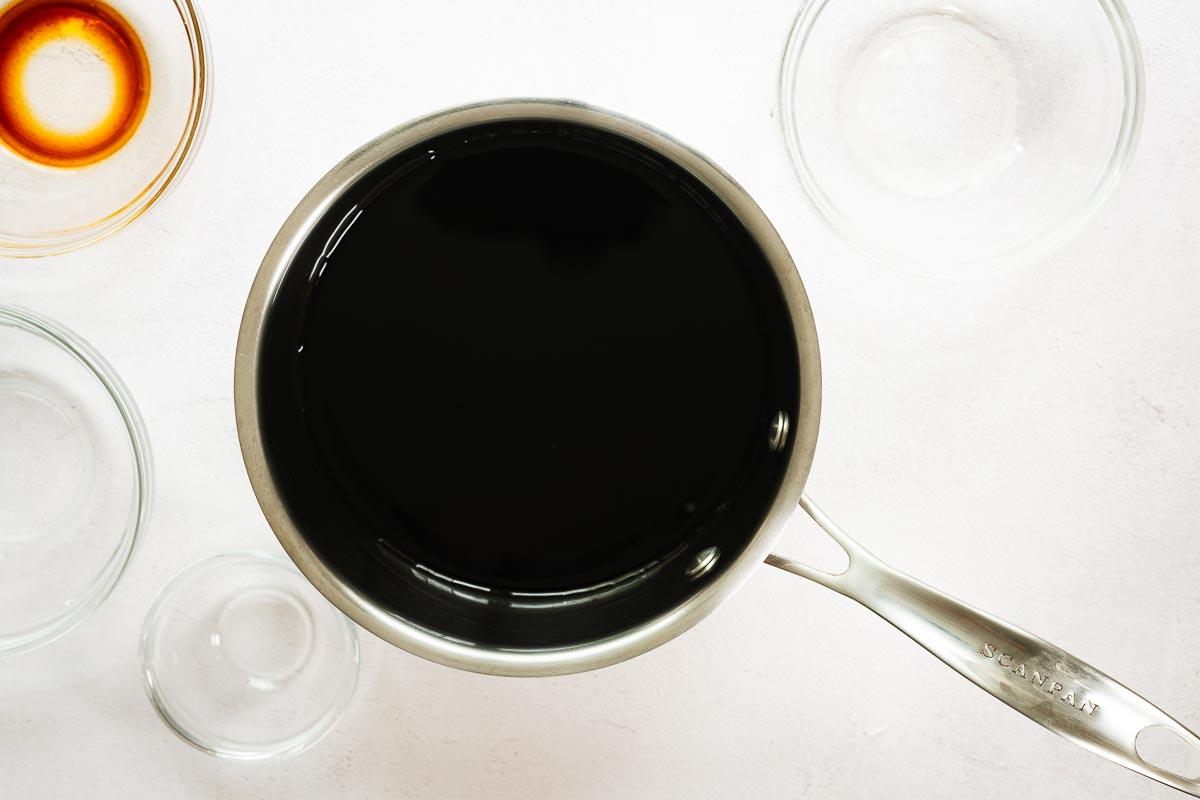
x=75 y=480
x=71 y=77
x=953 y=138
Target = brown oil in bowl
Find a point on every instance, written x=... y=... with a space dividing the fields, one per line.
x=97 y=32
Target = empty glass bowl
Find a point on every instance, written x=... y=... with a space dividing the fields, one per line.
x=74 y=480
x=102 y=106
x=952 y=137
x=243 y=658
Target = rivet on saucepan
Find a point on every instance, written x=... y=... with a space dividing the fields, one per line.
x=779 y=431
x=702 y=563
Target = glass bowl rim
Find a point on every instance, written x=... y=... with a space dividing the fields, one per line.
x=280 y=749
x=1046 y=241
x=16 y=245
x=110 y=573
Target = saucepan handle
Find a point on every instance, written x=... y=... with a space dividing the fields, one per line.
x=1043 y=682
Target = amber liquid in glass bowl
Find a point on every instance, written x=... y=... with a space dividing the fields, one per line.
x=73 y=118
x=102 y=104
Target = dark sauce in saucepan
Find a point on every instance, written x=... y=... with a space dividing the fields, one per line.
x=526 y=357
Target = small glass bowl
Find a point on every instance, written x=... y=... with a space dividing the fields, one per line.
x=243 y=658
x=75 y=480
x=45 y=210
x=954 y=137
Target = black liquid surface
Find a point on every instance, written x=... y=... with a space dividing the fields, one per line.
x=529 y=357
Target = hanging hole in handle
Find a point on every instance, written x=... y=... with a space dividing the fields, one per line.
x=1164 y=749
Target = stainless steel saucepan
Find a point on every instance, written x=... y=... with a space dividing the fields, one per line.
x=1041 y=681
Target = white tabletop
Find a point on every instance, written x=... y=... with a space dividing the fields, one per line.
x=1028 y=441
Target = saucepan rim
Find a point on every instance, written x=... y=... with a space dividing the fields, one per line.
x=476 y=658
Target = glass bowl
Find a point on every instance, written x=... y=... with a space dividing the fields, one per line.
x=243 y=658
x=66 y=72
x=953 y=137
x=75 y=478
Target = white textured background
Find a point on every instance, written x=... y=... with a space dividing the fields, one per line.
x=1028 y=441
